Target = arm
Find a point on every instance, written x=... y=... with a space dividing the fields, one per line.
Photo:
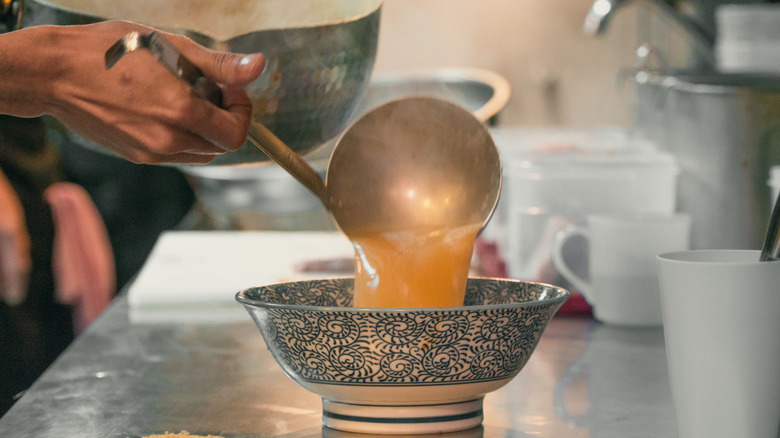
x=137 y=108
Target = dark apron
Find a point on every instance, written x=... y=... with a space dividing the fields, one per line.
x=35 y=332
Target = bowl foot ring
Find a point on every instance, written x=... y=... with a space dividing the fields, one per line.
x=402 y=419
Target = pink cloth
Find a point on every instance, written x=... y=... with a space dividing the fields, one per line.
x=82 y=259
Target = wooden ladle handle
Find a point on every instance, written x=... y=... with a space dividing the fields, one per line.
x=288 y=159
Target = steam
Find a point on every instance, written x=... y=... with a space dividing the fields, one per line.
x=225 y=19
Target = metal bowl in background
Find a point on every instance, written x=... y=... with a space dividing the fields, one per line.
x=264 y=196
x=483 y=92
x=319 y=54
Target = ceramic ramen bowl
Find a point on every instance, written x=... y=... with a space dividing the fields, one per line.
x=401 y=371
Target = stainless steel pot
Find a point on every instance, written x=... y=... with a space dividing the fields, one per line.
x=725 y=132
x=319 y=54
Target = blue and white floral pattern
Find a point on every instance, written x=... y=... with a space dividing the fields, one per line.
x=315 y=336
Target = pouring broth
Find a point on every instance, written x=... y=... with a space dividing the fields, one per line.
x=419 y=268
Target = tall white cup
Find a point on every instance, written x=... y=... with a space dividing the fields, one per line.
x=622 y=284
x=721 y=312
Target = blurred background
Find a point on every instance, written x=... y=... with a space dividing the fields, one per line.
x=558 y=74
x=603 y=107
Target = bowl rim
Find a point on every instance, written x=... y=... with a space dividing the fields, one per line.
x=561 y=296
x=75 y=12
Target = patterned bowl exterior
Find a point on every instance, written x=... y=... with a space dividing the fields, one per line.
x=318 y=339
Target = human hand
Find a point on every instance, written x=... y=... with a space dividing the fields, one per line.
x=137 y=108
x=15 y=258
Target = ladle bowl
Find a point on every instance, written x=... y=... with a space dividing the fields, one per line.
x=411 y=163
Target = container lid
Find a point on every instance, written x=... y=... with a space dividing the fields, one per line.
x=541 y=153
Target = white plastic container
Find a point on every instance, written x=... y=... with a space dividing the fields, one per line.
x=555 y=177
x=748 y=39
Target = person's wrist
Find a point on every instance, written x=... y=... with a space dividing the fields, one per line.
x=56 y=67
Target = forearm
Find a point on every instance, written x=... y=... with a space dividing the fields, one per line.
x=137 y=108
x=29 y=60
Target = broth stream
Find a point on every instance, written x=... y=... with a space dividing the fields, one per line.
x=420 y=268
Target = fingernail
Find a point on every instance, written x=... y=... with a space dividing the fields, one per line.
x=250 y=60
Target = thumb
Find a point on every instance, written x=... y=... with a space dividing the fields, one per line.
x=228 y=68
x=233 y=68
x=222 y=67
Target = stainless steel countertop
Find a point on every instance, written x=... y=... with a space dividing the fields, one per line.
x=119 y=380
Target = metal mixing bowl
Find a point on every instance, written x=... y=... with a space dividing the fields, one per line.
x=319 y=54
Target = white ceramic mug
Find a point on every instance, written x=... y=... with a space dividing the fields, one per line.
x=721 y=312
x=622 y=284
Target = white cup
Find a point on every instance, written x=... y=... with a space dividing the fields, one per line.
x=747 y=38
x=623 y=279
x=721 y=312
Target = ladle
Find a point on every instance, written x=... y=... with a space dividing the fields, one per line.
x=411 y=163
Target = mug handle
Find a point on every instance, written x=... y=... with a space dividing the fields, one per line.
x=560 y=264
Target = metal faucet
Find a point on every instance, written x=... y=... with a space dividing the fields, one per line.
x=699 y=26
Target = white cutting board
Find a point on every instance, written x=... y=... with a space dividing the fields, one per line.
x=193 y=276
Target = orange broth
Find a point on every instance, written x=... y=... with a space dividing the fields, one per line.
x=421 y=268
